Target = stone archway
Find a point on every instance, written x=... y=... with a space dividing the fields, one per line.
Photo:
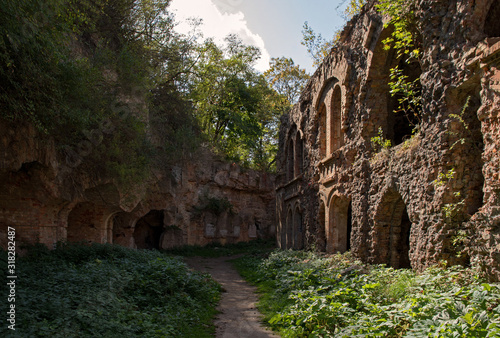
x=321 y=233
x=298 y=232
x=148 y=230
x=89 y=222
x=123 y=229
x=289 y=229
x=392 y=229
x=340 y=220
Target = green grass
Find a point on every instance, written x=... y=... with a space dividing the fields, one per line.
x=109 y=291
x=258 y=246
x=303 y=294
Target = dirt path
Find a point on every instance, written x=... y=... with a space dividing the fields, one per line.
x=238 y=317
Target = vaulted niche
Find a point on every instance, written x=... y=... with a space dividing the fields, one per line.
x=393 y=228
x=492 y=23
x=321 y=241
x=403 y=117
x=297 y=230
x=87 y=222
x=340 y=220
x=401 y=247
x=336 y=137
x=148 y=230
x=289 y=229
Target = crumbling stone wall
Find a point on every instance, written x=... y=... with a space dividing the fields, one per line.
x=48 y=200
x=337 y=193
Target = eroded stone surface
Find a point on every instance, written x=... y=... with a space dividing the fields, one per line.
x=336 y=193
x=48 y=198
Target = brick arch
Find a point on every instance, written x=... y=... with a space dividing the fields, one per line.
x=289 y=228
x=395 y=122
x=326 y=107
x=321 y=231
x=123 y=229
x=336 y=138
x=90 y=222
x=298 y=230
x=391 y=232
x=339 y=225
x=322 y=112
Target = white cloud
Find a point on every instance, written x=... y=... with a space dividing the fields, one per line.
x=218 y=25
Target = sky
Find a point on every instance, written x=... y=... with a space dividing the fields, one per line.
x=275 y=26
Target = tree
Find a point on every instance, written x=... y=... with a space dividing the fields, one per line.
x=317 y=47
x=236 y=108
x=286 y=78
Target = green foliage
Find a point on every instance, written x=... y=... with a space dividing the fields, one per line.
x=286 y=78
x=353 y=8
x=404 y=38
x=109 y=291
x=307 y=295
x=215 y=205
x=379 y=142
x=409 y=96
x=237 y=110
x=258 y=247
x=444 y=178
x=317 y=47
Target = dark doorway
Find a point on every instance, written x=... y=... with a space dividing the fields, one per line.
x=349 y=226
x=492 y=23
x=148 y=230
x=404 y=241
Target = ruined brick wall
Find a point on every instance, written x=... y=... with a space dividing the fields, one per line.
x=49 y=199
x=337 y=193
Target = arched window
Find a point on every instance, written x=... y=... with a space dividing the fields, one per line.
x=299 y=153
x=336 y=137
x=322 y=130
x=290 y=160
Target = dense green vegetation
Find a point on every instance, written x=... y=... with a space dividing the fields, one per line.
x=109 y=291
x=258 y=247
x=119 y=90
x=304 y=294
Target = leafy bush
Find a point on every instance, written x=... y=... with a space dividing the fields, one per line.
x=105 y=290
x=308 y=295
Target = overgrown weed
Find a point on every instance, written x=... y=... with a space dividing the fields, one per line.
x=109 y=291
x=304 y=294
